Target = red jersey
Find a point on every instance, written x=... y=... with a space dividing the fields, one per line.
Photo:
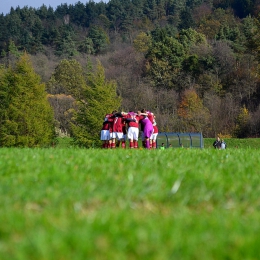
x=155 y=129
x=133 y=123
x=108 y=123
x=141 y=117
x=150 y=116
x=118 y=125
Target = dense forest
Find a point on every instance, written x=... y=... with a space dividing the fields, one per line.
x=194 y=63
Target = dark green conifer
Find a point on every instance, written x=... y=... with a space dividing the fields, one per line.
x=26 y=118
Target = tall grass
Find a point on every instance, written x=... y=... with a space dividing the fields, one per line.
x=129 y=204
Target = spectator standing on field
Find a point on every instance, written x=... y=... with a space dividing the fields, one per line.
x=217 y=143
x=223 y=144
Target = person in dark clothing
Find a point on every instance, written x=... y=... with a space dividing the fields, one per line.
x=217 y=143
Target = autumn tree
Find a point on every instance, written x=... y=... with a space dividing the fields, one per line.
x=64 y=107
x=66 y=87
x=142 y=42
x=255 y=123
x=242 y=123
x=26 y=117
x=192 y=113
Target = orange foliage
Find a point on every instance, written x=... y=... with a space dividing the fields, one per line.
x=189 y=105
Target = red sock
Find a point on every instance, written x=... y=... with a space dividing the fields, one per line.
x=113 y=145
x=154 y=145
x=123 y=144
x=131 y=144
x=135 y=144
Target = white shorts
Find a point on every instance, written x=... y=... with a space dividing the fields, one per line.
x=154 y=136
x=113 y=135
x=120 y=136
x=105 y=135
x=117 y=135
x=132 y=133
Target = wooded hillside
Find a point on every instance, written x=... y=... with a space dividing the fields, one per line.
x=194 y=63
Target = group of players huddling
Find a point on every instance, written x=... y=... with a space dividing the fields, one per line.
x=118 y=127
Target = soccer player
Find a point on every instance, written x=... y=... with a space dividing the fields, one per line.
x=106 y=130
x=119 y=128
x=154 y=135
x=147 y=127
x=132 y=120
x=114 y=129
x=151 y=117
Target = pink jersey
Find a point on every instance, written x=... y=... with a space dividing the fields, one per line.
x=147 y=126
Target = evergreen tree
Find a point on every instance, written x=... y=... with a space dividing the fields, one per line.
x=101 y=99
x=68 y=78
x=164 y=60
x=186 y=19
x=99 y=38
x=26 y=118
x=86 y=46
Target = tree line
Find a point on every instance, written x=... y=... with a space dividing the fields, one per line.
x=195 y=64
x=30 y=117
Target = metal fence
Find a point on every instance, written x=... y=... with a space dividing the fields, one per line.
x=176 y=140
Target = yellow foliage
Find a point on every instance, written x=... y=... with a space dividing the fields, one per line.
x=244 y=116
x=210 y=28
x=142 y=42
x=224 y=136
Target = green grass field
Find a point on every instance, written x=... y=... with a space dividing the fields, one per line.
x=129 y=204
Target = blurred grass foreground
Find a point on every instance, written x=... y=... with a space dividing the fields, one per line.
x=72 y=203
